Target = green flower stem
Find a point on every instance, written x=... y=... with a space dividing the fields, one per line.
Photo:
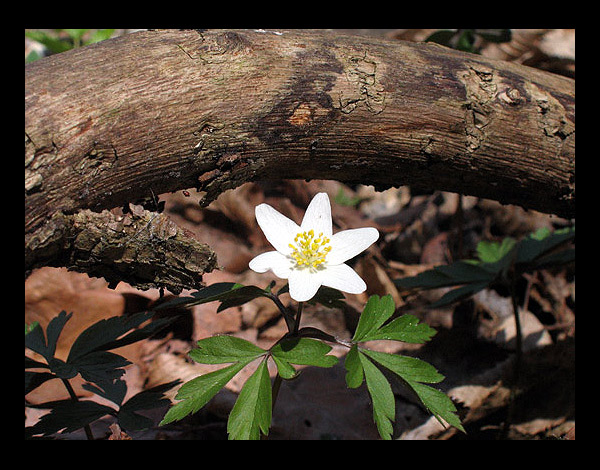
x=86 y=428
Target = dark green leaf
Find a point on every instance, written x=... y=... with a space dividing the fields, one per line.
x=145 y=400
x=54 y=329
x=460 y=272
x=230 y=294
x=68 y=416
x=443 y=37
x=197 y=392
x=459 y=294
x=101 y=334
x=35 y=340
x=139 y=334
x=384 y=405
x=132 y=421
x=542 y=242
x=376 y=312
x=223 y=348
x=251 y=414
x=100 y=366
x=328 y=297
x=31 y=364
x=61 y=369
x=304 y=351
x=150 y=398
x=240 y=296
x=113 y=390
x=354 y=370
x=35 y=379
x=554 y=259
x=463 y=273
x=210 y=293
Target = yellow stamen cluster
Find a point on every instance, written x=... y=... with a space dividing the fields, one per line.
x=308 y=250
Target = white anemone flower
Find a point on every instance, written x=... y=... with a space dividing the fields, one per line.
x=310 y=255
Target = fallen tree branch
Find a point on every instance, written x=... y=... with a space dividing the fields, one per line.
x=159 y=111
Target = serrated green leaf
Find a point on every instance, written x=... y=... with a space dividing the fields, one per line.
x=438 y=403
x=354 y=370
x=251 y=413
x=382 y=397
x=304 y=351
x=197 y=392
x=405 y=328
x=376 y=312
x=414 y=372
x=408 y=368
x=284 y=368
x=224 y=348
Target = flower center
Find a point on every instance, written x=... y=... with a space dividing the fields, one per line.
x=308 y=250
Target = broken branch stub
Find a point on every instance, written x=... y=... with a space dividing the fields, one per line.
x=142 y=248
x=170 y=110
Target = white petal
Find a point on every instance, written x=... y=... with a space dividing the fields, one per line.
x=279 y=230
x=343 y=277
x=349 y=243
x=304 y=284
x=273 y=260
x=318 y=215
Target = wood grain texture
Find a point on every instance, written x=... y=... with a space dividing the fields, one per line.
x=159 y=111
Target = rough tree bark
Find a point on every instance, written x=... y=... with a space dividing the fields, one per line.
x=159 y=111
